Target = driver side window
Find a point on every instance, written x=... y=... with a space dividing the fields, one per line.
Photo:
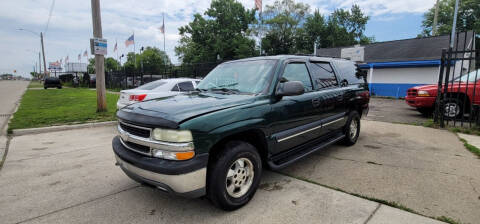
x=298 y=72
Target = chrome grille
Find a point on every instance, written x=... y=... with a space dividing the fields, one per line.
x=136 y=130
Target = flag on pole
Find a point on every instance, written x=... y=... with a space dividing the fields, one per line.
x=79 y=57
x=162 y=28
x=85 y=54
x=115 y=48
x=258 y=5
x=66 y=59
x=61 y=61
x=130 y=41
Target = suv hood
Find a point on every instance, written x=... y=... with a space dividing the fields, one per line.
x=184 y=106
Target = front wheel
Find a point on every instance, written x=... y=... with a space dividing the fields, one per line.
x=352 y=129
x=234 y=175
x=453 y=108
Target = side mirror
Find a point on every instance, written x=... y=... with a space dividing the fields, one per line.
x=290 y=88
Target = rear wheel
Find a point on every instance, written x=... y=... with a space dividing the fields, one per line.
x=352 y=129
x=234 y=175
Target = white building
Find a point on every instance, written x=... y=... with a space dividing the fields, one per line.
x=395 y=66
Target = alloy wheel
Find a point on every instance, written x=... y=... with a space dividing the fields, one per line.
x=239 y=177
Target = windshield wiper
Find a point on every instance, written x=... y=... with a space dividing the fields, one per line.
x=201 y=90
x=226 y=90
x=228 y=85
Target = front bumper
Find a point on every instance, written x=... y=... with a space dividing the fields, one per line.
x=185 y=178
x=420 y=101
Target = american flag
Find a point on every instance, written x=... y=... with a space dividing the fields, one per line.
x=258 y=5
x=85 y=54
x=162 y=28
x=115 y=48
x=130 y=41
x=60 y=61
x=66 y=59
x=79 y=57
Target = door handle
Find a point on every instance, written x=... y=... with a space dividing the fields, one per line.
x=316 y=102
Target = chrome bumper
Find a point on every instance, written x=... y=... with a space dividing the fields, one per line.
x=189 y=184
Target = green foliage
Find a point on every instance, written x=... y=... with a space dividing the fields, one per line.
x=40 y=108
x=223 y=33
x=110 y=65
x=291 y=29
x=468 y=17
x=153 y=60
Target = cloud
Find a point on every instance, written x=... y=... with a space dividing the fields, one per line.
x=71 y=27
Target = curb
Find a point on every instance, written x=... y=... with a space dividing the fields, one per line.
x=28 y=131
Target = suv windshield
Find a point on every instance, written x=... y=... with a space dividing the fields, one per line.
x=470 y=77
x=242 y=76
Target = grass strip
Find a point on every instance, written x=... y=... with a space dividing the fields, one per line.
x=43 y=108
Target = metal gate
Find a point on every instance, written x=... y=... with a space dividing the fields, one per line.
x=458 y=93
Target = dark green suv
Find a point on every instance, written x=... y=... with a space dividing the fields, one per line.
x=246 y=115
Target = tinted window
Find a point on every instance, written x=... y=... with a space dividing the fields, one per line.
x=186 y=86
x=323 y=75
x=347 y=72
x=151 y=85
x=298 y=72
x=175 y=88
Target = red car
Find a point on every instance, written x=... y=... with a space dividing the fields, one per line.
x=463 y=89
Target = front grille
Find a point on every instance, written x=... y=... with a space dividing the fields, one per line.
x=138 y=148
x=145 y=133
x=412 y=92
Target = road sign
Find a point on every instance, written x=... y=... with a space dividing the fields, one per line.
x=354 y=53
x=98 y=46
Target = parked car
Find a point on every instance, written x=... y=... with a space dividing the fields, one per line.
x=462 y=89
x=52 y=82
x=156 y=89
x=246 y=115
x=92 y=83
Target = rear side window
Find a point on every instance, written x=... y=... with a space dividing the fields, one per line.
x=298 y=72
x=323 y=75
x=347 y=72
x=186 y=86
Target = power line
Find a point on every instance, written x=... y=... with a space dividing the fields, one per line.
x=49 y=16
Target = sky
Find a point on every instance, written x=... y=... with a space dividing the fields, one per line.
x=70 y=27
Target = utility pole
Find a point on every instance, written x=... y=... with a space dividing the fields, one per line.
x=99 y=59
x=43 y=52
x=39 y=64
x=454 y=25
x=435 y=20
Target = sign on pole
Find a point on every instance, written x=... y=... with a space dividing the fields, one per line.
x=354 y=53
x=98 y=46
x=54 y=66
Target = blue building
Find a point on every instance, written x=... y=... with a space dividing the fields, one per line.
x=395 y=66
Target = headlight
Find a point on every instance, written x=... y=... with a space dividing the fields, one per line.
x=423 y=93
x=167 y=135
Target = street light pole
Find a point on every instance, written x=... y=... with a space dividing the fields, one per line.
x=99 y=59
x=43 y=52
x=454 y=26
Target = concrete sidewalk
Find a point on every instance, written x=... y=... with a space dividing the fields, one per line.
x=10 y=92
x=70 y=177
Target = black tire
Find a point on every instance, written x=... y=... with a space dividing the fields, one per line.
x=59 y=87
x=218 y=169
x=44 y=87
x=350 y=138
x=453 y=104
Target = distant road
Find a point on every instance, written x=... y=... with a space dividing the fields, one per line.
x=10 y=93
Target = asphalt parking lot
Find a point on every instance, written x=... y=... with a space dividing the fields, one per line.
x=394 y=111
x=70 y=177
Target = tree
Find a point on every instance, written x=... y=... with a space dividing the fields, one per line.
x=283 y=19
x=292 y=30
x=110 y=65
x=222 y=33
x=468 y=17
x=153 y=60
